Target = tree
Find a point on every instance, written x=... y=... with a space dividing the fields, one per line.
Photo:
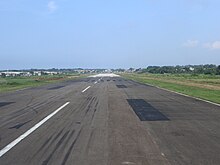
x=218 y=70
x=3 y=75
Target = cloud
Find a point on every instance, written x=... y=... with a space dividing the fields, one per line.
x=191 y=43
x=213 y=45
x=52 y=6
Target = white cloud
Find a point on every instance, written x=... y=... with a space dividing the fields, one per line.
x=213 y=45
x=191 y=43
x=52 y=6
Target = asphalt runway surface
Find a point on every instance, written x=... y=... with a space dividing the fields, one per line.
x=106 y=121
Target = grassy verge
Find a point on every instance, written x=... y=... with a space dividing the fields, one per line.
x=200 y=86
x=15 y=83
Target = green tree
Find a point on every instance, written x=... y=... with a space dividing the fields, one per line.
x=3 y=75
x=218 y=70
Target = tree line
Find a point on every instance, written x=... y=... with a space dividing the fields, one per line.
x=191 y=69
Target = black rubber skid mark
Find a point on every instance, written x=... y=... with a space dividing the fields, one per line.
x=57 y=87
x=45 y=162
x=145 y=111
x=70 y=149
x=44 y=144
x=17 y=126
x=121 y=86
x=5 y=103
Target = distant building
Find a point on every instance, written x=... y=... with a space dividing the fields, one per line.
x=50 y=73
x=37 y=73
x=12 y=74
x=191 y=68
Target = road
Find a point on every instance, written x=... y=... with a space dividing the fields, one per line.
x=106 y=121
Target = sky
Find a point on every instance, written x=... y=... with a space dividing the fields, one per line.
x=108 y=34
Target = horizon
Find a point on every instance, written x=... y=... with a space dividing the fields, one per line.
x=75 y=68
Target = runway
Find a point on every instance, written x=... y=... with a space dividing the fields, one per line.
x=106 y=121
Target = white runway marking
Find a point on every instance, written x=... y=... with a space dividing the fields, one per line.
x=105 y=75
x=20 y=138
x=128 y=163
x=86 y=89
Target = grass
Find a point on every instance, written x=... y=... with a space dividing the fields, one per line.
x=15 y=83
x=201 y=86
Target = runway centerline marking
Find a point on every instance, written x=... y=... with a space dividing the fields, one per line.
x=28 y=132
x=86 y=89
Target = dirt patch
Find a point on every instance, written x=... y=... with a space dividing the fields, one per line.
x=49 y=79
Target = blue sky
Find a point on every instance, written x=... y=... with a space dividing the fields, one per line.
x=108 y=34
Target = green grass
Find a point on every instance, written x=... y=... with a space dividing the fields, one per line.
x=15 y=83
x=199 y=92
